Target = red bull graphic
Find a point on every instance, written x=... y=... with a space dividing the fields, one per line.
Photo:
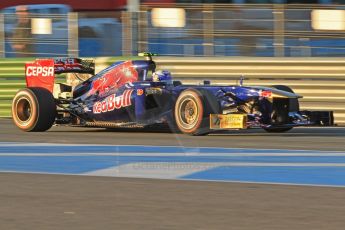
x=115 y=78
x=265 y=93
x=140 y=92
x=113 y=102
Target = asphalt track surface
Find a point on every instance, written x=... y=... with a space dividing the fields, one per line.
x=33 y=201
x=323 y=138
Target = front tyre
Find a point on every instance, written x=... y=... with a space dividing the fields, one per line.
x=33 y=109
x=293 y=106
x=293 y=102
x=280 y=116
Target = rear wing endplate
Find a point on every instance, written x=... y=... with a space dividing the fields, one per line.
x=41 y=72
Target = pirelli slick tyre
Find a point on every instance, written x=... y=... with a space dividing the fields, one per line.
x=293 y=107
x=293 y=102
x=192 y=111
x=33 y=109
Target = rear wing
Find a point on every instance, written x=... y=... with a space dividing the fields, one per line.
x=74 y=65
x=41 y=72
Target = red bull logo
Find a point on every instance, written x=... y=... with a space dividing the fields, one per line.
x=113 y=102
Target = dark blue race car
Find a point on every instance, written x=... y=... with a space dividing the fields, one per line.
x=133 y=94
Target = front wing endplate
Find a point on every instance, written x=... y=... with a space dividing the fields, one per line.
x=228 y=121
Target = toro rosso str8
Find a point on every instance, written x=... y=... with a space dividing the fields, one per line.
x=126 y=94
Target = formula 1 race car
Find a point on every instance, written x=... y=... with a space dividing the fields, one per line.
x=133 y=94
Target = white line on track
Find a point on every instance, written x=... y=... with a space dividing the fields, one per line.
x=187 y=154
x=263 y=183
x=187 y=148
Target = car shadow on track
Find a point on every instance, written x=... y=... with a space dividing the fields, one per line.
x=298 y=132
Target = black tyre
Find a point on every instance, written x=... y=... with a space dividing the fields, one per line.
x=33 y=109
x=293 y=102
x=293 y=107
x=192 y=110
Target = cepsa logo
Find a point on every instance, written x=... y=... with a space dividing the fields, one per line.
x=39 y=71
x=113 y=102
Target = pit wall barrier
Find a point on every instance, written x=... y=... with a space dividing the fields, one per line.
x=321 y=81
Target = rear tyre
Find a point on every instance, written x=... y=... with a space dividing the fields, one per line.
x=33 y=109
x=192 y=110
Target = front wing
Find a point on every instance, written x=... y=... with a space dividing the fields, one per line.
x=243 y=121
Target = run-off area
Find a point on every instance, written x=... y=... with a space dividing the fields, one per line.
x=305 y=167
